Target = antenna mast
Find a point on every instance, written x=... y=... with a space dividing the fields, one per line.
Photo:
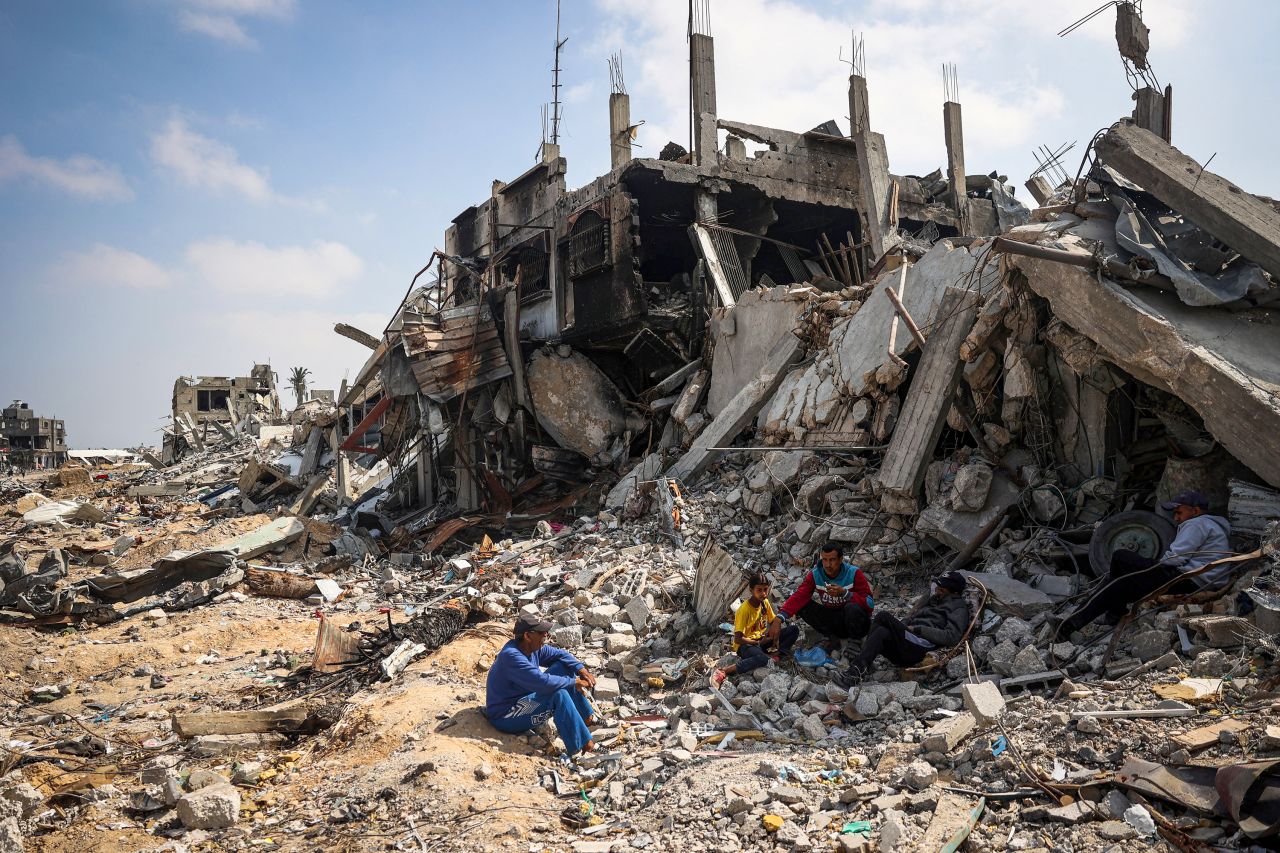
x=555 y=83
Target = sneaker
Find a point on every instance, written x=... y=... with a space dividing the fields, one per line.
x=717 y=678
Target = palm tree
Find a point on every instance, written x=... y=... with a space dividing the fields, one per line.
x=298 y=379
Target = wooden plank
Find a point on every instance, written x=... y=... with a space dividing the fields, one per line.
x=735 y=416
x=924 y=412
x=274 y=583
x=1138 y=713
x=1252 y=507
x=1237 y=218
x=1207 y=736
x=239 y=722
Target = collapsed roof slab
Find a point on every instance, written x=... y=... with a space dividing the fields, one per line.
x=1224 y=365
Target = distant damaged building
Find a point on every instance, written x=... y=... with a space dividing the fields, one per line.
x=30 y=441
x=234 y=404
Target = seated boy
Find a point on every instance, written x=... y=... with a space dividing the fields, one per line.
x=758 y=633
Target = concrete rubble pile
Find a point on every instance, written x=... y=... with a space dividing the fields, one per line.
x=276 y=632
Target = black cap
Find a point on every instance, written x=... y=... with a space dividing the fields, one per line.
x=1187 y=498
x=953 y=581
x=531 y=622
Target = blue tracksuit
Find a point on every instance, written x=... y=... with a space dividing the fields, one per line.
x=520 y=695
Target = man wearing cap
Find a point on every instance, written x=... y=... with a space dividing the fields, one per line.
x=834 y=598
x=531 y=682
x=1201 y=539
x=938 y=621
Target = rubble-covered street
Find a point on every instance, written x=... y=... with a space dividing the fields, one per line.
x=602 y=411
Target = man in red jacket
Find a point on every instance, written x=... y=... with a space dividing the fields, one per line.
x=834 y=598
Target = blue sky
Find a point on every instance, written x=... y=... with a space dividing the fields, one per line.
x=190 y=186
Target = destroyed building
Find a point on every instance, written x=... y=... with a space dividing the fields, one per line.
x=288 y=631
x=238 y=404
x=32 y=441
x=555 y=309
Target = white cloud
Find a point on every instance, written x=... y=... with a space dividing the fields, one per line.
x=107 y=266
x=776 y=65
x=320 y=270
x=222 y=19
x=78 y=175
x=253 y=337
x=199 y=161
x=220 y=27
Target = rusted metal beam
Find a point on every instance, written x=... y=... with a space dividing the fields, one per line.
x=363 y=427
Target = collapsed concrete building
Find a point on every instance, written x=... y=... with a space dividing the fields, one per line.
x=239 y=403
x=556 y=311
x=32 y=441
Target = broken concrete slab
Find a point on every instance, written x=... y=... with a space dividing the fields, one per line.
x=575 y=402
x=1244 y=222
x=946 y=734
x=1220 y=363
x=646 y=469
x=1013 y=595
x=933 y=385
x=957 y=528
x=859 y=344
x=740 y=410
x=744 y=335
x=984 y=701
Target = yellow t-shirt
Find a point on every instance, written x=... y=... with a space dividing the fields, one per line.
x=752 y=621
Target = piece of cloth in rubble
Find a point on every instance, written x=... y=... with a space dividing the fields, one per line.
x=1137 y=235
x=1201 y=540
x=567 y=707
x=940 y=619
x=816 y=587
x=515 y=674
x=751 y=621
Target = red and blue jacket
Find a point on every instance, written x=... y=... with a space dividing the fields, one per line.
x=815 y=588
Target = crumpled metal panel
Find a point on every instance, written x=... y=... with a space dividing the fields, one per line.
x=454 y=351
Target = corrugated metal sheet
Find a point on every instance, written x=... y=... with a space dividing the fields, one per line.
x=454 y=351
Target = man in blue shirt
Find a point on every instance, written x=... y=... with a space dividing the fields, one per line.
x=530 y=682
x=1202 y=538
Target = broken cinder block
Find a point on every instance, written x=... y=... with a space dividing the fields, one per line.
x=984 y=701
x=944 y=735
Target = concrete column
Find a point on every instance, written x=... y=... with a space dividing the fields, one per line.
x=619 y=129
x=954 y=132
x=875 y=187
x=859 y=106
x=1149 y=111
x=702 y=79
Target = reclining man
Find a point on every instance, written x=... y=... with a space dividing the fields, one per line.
x=834 y=598
x=520 y=695
x=938 y=621
x=1202 y=538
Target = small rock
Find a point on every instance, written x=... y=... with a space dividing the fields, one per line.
x=204 y=778
x=214 y=807
x=484 y=771
x=1116 y=830
x=1089 y=726
x=919 y=775
x=1141 y=820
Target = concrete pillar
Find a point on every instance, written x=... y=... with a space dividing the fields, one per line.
x=702 y=79
x=619 y=129
x=735 y=148
x=859 y=106
x=1149 y=112
x=875 y=188
x=954 y=132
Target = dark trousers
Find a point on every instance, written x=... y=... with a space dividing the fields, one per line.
x=1131 y=578
x=889 y=638
x=841 y=623
x=754 y=657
